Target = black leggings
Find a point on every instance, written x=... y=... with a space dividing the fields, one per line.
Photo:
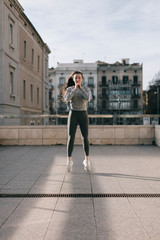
x=75 y=118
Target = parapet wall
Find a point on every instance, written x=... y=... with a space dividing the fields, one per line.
x=157 y=135
x=98 y=135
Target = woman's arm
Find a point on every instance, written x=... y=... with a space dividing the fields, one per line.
x=69 y=93
x=86 y=92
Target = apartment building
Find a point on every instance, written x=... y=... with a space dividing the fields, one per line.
x=116 y=88
x=120 y=88
x=153 y=98
x=59 y=76
x=24 y=82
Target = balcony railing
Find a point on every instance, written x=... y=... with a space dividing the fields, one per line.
x=51 y=88
x=103 y=96
x=136 y=96
x=100 y=119
x=92 y=85
x=103 y=84
x=136 y=84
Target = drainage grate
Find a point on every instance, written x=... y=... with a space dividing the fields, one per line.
x=80 y=195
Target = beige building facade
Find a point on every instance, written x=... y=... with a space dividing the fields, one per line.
x=9 y=60
x=24 y=65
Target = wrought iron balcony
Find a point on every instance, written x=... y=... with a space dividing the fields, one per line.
x=92 y=85
x=135 y=95
x=101 y=84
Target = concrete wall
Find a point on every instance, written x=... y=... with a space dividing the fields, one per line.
x=99 y=135
x=157 y=135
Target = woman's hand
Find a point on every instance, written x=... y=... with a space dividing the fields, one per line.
x=78 y=86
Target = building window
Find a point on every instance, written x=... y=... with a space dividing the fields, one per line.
x=24 y=89
x=46 y=68
x=90 y=106
x=104 y=104
x=135 y=103
x=92 y=92
x=126 y=91
x=103 y=92
x=103 y=80
x=37 y=95
x=114 y=105
x=31 y=93
x=135 y=91
x=90 y=81
x=125 y=79
x=11 y=83
x=50 y=84
x=115 y=91
x=32 y=56
x=61 y=81
x=50 y=95
x=115 y=79
x=38 y=62
x=25 y=49
x=125 y=105
x=46 y=102
x=11 y=34
x=135 y=79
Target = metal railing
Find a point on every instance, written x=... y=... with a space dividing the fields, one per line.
x=100 y=119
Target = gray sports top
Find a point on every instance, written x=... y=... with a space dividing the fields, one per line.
x=78 y=98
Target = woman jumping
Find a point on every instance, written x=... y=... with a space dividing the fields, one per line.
x=77 y=96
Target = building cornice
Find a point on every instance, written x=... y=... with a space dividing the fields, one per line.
x=20 y=10
x=16 y=5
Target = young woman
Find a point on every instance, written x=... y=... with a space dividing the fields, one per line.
x=77 y=96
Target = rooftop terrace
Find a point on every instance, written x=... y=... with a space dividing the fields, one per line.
x=117 y=170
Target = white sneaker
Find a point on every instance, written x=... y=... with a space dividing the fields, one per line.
x=87 y=165
x=69 y=165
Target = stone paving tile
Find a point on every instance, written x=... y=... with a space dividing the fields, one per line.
x=73 y=219
x=7 y=206
x=116 y=220
x=148 y=211
x=29 y=221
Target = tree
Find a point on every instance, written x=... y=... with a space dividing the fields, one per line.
x=153 y=95
x=155 y=80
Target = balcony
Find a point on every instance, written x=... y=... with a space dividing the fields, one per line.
x=51 y=99
x=135 y=95
x=136 y=84
x=91 y=85
x=60 y=85
x=51 y=88
x=90 y=108
x=103 y=96
x=103 y=84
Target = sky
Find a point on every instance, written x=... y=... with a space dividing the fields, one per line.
x=105 y=30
